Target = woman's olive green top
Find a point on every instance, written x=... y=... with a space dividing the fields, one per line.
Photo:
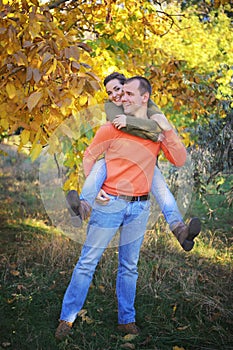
x=144 y=128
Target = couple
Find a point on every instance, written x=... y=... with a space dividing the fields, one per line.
x=124 y=199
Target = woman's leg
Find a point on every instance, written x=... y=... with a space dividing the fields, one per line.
x=165 y=200
x=185 y=234
x=94 y=182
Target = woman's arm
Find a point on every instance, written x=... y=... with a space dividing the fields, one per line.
x=145 y=128
x=153 y=109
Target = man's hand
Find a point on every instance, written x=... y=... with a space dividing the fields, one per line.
x=120 y=121
x=102 y=197
x=162 y=121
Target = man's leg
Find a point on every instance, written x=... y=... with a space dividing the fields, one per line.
x=102 y=227
x=131 y=238
x=167 y=203
x=77 y=290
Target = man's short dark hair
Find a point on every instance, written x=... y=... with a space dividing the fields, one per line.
x=144 y=84
x=115 y=75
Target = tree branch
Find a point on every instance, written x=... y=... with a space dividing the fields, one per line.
x=56 y=4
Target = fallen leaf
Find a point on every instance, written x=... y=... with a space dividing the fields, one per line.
x=102 y=288
x=21 y=287
x=177 y=348
x=182 y=328
x=10 y=301
x=129 y=337
x=128 y=346
x=82 y=312
x=14 y=272
x=88 y=320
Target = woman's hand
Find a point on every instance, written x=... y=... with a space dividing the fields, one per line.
x=162 y=121
x=120 y=121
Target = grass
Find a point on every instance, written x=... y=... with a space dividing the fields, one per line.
x=184 y=300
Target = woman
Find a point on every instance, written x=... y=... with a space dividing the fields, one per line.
x=148 y=129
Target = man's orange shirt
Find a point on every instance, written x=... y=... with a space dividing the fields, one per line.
x=130 y=160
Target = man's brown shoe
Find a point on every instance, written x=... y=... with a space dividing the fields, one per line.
x=129 y=328
x=63 y=330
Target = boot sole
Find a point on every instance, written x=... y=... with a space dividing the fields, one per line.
x=194 y=228
x=73 y=201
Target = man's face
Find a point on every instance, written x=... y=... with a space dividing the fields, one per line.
x=114 y=91
x=132 y=100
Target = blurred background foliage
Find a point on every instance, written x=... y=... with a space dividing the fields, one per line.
x=55 y=54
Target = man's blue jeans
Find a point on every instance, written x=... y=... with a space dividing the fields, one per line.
x=131 y=219
x=159 y=189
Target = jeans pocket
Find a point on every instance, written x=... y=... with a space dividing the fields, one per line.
x=145 y=205
x=100 y=204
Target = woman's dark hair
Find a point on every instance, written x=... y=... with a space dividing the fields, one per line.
x=115 y=75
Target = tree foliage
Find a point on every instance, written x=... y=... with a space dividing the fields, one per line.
x=45 y=73
x=55 y=55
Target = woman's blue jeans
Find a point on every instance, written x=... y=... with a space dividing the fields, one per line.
x=159 y=189
x=131 y=219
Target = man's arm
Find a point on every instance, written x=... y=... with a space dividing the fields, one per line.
x=173 y=148
x=98 y=146
x=144 y=128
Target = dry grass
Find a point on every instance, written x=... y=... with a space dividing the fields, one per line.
x=184 y=300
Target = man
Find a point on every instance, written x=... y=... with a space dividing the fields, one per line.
x=149 y=128
x=130 y=163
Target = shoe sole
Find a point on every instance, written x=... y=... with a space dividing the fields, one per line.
x=194 y=228
x=73 y=201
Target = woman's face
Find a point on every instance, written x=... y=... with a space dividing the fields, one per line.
x=114 y=90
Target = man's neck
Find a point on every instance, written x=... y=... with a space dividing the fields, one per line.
x=141 y=113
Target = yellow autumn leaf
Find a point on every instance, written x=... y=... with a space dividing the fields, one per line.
x=92 y=101
x=163 y=100
x=177 y=348
x=25 y=135
x=11 y=90
x=120 y=36
x=52 y=67
x=14 y=273
x=54 y=144
x=33 y=99
x=129 y=337
x=88 y=320
x=5 y=123
x=66 y=130
x=82 y=100
x=35 y=152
